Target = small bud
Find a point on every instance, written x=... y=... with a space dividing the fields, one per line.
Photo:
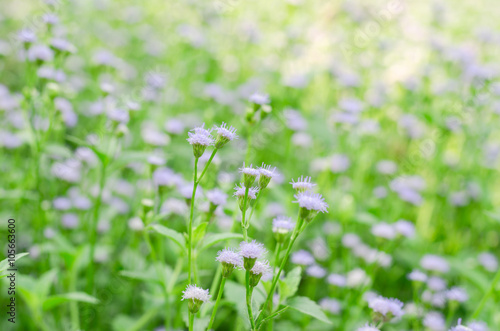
x=224 y=135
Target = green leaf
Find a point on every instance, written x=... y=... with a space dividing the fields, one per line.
x=199 y=232
x=56 y=300
x=309 y=307
x=4 y=264
x=290 y=284
x=171 y=234
x=213 y=238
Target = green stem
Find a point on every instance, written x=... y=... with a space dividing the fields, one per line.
x=206 y=166
x=244 y=225
x=191 y=321
x=190 y=226
x=276 y=259
x=254 y=206
x=298 y=229
x=213 y=287
x=487 y=295
x=249 y=299
x=219 y=296
x=93 y=233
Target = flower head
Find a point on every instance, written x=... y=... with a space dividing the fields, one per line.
x=196 y=296
x=266 y=174
x=224 y=135
x=249 y=174
x=417 y=276
x=251 y=251
x=216 y=198
x=434 y=263
x=200 y=139
x=302 y=184
x=457 y=294
x=460 y=327
x=282 y=225
x=310 y=204
x=259 y=270
x=230 y=259
x=368 y=327
x=385 y=309
x=240 y=194
x=259 y=98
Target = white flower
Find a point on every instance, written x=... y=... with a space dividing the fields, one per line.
x=282 y=224
x=193 y=292
x=435 y=321
x=252 y=250
x=302 y=184
x=240 y=192
x=488 y=261
x=417 y=276
x=383 y=230
x=266 y=174
x=311 y=201
x=457 y=294
x=302 y=257
x=228 y=133
x=261 y=268
x=229 y=256
x=216 y=197
x=434 y=263
x=259 y=98
x=201 y=136
x=337 y=280
x=249 y=170
x=316 y=271
x=436 y=283
x=387 y=307
x=331 y=305
x=367 y=327
x=405 y=228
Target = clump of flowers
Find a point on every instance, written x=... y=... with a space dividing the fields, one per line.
x=240 y=194
x=249 y=175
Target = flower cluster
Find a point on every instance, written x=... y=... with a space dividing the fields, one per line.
x=196 y=296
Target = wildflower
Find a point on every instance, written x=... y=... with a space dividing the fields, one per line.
x=294 y=120
x=436 y=283
x=331 y=305
x=339 y=163
x=61 y=203
x=156 y=160
x=386 y=167
x=282 y=225
x=302 y=184
x=434 y=263
x=200 y=140
x=259 y=270
x=174 y=126
x=240 y=194
x=383 y=230
x=478 y=326
x=434 y=321
x=302 y=257
x=385 y=309
x=229 y=260
x=216 y=198
x=337 y=280
x=196 y=296
x=224 y=135
x=251 y=251
x=265 y=175
x=368 y=327
x=350 y=240
x=457 y=294
x=136 y=224
x=259 y=98
x=69 y=220
x=405 y=228
x=310 y=204
x=249 y=175
x=417 y=276
x=40 y=53
x=488 y=261
x=26 y=36
x=460 y=327
x=316 y=271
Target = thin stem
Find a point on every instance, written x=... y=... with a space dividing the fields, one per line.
x=276 y=259
x=191 y=321
x=213 y=287
x=254 y=205
x=93 y=233
x=190 y=225
x=206 y=166
x=244 y=225
x=487 y=295
x=295 y=234
x=219 y=296
x=249 y=299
